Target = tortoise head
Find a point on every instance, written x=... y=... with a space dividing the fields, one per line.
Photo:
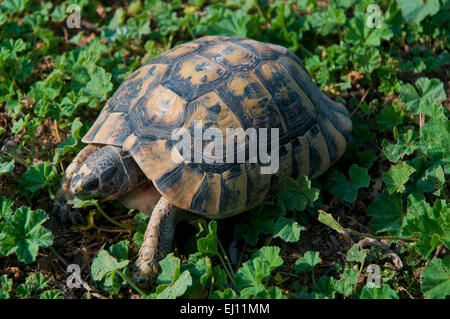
x=108 y=173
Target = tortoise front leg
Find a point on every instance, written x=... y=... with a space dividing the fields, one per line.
x=157 y=239
x=63 y=194
x=63 y=191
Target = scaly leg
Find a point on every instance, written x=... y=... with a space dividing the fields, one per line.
x=63 y=194
x=157 y=239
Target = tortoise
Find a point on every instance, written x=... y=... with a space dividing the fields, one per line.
x=221 y=83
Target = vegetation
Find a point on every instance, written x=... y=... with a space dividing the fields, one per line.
x=384 y=207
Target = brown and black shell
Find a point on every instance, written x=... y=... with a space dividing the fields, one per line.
x=226 y=82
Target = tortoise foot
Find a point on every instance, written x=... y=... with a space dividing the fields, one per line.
x=67 y=214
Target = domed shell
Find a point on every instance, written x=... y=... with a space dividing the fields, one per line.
x=225 y=83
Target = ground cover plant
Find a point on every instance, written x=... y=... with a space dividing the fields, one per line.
x=376 y=225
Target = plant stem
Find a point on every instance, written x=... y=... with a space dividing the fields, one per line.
x=226 y=269
x=112 y=220
x=139 y=290
x=226 y=258
x=357 y=233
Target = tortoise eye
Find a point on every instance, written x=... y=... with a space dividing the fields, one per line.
x=91 y=185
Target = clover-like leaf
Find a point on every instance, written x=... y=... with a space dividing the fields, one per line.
x=328 y=220
x=298 y=194
x=23 y=234
x=207 y=245
x=258 y=268
x=386 y=212
x=178 y=288
x=309 y=260
x=107 y=263
x=5 y=207
x=430 y=225
x=428 y=91
x=436 y=278
x=5 y=287
x=99 y=84
x=288 y=229
x=384 y=292
x=397 y=177
x=348 y=189
x=417 y=10
x=51 y=294
x=6 y=167
x=356 y=254
x=170 y=269
x=38 y=177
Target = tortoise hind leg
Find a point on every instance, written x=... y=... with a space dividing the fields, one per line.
x=157 y=239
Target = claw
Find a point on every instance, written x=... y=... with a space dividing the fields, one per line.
x=66 y=213
x=137 y=275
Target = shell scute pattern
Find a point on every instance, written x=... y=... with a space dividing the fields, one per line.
x=225 y=83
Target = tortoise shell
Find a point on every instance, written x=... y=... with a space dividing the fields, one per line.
x=226 y=82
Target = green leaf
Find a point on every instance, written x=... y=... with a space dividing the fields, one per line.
x=207 y=245
x=406 y=145
x=51 y=294
x=325 y=287
x=178 y=288
x=271 y=293
x=288 y=229
x=346 y=284
x=13 y=6
x=79 y=203
x=228 y=293
x=99 y=84
x=397 y=177
x=5 y=207
x=170 y=270
x=36 y=281
x=106 y=264
x=298 y=194
x=236 y=25
x=38 y=177
x=389 y=117
x=384 y=292
x=348 y=189
x=200 y=268
x=5 y=287
x=436 y=278
x=359 y=33
x=386 y=212
x=433 y=181
x=429 y=91
x=431 y=225
x=435 y=139
x=417 y=10
x=6 y=167
x=24 y=234
x=309 y=260
x=258 y=268
x=256 y=221
x=328 y=220
x=73 y=141
x=356 y=254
